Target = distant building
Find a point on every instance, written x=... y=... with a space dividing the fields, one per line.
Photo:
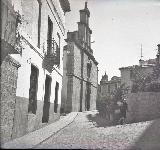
x=80 y=73
x=158 y=60
x=129 y=73
x=33 y=34
x=108 y=87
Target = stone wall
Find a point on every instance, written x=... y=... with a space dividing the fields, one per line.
x=93 y=98
x=25 y=122
x=76 y=94
x=125 y=78
x=68 y=103
x=20 y=119
x=94 y=75
x=9 y=74
x=67 y=81
x=64 y=81
x=84 y=96
x=143 y=106
x=77 y=61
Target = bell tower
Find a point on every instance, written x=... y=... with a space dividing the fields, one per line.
x=84 y=32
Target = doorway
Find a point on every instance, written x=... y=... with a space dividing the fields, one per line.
x=88 y=92
x=46 y=105
x=56 y=97
x=32 y=107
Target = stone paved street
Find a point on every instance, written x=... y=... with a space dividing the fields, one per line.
x=89 y=131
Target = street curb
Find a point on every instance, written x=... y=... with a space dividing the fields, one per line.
x=34 y=138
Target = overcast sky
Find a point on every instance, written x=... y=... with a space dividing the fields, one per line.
x=119 y=28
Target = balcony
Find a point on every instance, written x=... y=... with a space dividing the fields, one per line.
x=52 y=58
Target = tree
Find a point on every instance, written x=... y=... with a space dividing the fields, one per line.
x=119 y=93
x=153 y=85
x=149 y=83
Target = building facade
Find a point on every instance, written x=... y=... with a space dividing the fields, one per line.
x=107 y=87
x=37 y=68
x=80 y=73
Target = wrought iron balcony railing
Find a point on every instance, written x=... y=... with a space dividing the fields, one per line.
x=53 y=53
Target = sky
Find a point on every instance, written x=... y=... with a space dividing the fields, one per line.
x=119 y=27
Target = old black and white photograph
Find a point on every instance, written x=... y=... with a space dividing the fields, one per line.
x=80 y=74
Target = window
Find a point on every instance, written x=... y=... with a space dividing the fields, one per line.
x=33 y=90
x=39 y=22
x=49 y=38
x=89 y=65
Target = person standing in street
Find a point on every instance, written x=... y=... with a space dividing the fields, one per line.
x=123 y=111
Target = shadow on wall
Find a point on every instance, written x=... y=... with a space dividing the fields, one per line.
x=150 y=139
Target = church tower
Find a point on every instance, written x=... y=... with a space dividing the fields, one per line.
x=84 y=32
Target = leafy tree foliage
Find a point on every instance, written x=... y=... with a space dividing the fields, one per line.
x=108 y=104
x=149 y=83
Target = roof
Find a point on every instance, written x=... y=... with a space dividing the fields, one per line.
x=145 y=64
x=137 y=66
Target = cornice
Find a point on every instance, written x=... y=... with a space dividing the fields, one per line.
x=60 y=23
x=86 y=52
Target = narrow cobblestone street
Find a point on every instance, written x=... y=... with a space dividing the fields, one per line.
x=89 y=131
